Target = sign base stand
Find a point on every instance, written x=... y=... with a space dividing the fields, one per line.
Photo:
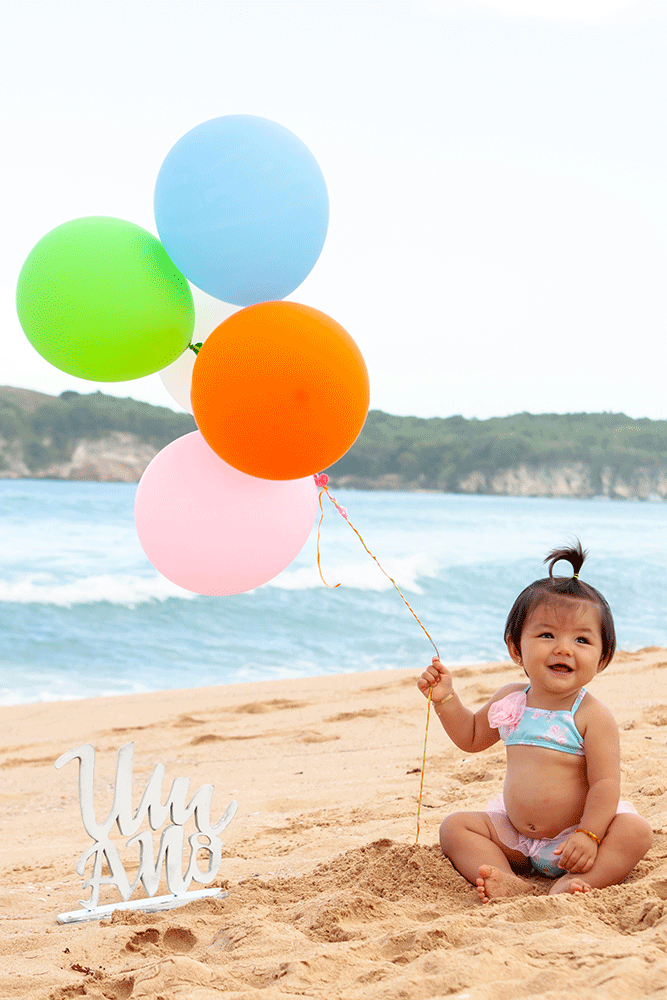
x=151 y=904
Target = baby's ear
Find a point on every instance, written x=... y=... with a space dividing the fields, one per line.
x=515 y=653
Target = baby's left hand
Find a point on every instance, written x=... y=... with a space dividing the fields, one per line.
x=578 y=853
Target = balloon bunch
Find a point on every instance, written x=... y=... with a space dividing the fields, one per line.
x=278 y=390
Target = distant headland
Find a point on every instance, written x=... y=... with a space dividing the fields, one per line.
x=106 y=439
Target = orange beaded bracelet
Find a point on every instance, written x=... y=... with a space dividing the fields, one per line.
x=589 y=834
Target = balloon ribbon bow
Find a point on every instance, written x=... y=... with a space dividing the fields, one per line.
x=322 y=483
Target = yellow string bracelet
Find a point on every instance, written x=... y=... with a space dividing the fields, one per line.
x=589 y=834
x=443 y=700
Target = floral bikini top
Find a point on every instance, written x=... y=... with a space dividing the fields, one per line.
x=536 y=727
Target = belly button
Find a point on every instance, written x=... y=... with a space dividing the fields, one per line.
x=531 y=826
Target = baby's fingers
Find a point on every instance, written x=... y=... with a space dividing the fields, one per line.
x=575 y=861
x=437 y=669
x=566 y=855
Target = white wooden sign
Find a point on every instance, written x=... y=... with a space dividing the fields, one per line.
x=172 y=840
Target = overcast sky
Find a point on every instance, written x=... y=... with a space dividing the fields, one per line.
x=496 y=174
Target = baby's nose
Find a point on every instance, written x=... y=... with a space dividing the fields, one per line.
x=564 y=646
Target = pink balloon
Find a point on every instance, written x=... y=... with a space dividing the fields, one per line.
x=214 y=530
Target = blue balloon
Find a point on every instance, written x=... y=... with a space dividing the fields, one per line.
x=242 y=209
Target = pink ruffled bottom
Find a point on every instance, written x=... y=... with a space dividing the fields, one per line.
x=540 y=852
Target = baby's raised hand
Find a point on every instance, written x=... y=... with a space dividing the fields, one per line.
x=577 y=853
x=438 y=678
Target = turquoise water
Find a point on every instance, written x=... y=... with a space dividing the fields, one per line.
x=83 y=612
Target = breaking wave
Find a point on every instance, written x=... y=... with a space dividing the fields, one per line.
x=116 y=589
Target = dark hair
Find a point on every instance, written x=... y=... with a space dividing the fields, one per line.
x=562 y=586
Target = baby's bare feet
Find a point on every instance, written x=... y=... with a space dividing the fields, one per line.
x=496 y=884
x=569 y=883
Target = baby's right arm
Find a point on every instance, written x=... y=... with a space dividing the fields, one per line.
x=469 y=731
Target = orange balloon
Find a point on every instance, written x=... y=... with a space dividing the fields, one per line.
x=280 y=390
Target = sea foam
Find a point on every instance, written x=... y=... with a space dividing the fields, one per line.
x=361 y=575
x=117 y=589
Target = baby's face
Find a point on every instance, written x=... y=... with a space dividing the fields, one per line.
x=561 y=644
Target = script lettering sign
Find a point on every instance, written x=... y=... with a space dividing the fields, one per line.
x=172 y=839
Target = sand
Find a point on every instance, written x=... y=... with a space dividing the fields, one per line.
x=328 y=893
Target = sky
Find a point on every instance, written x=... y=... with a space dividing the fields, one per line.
x=496 y=174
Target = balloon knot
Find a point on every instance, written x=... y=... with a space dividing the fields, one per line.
x=321 y=480
x=195 y=347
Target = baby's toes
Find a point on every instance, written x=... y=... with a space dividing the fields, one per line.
x=481 y=891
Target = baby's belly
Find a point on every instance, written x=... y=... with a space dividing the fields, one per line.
x=545 y=790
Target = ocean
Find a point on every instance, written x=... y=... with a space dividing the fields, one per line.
x=83 y=613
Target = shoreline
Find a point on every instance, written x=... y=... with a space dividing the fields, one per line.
x=460 y=669
x=240 y=685
x=328 y=892
x=648 y=492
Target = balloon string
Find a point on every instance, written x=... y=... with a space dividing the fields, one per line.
x=421 y=783
x=322 y=481
x=319 y=481
x=319 y=529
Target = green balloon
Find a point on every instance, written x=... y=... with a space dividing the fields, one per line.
x=99 y=298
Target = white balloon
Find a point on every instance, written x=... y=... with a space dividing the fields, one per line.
x=209 y=314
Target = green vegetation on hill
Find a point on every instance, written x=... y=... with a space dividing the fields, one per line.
x=438 y=452
x=48 y=427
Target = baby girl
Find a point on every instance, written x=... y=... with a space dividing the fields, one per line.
x=559 y=814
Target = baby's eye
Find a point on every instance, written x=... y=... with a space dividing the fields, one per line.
x=582 y=638
x=546 y=635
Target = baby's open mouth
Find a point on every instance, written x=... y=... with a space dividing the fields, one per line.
x=561 y=668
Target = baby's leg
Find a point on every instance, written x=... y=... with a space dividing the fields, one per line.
x=626 y=842
x=470 y=841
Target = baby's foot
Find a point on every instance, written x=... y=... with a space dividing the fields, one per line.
x=496 y=884
x=569 y=883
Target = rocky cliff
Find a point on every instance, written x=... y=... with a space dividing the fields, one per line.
x=120 y=457
x=82 y=436
x=575 y=479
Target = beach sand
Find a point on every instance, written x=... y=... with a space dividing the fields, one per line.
x=328 y=893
